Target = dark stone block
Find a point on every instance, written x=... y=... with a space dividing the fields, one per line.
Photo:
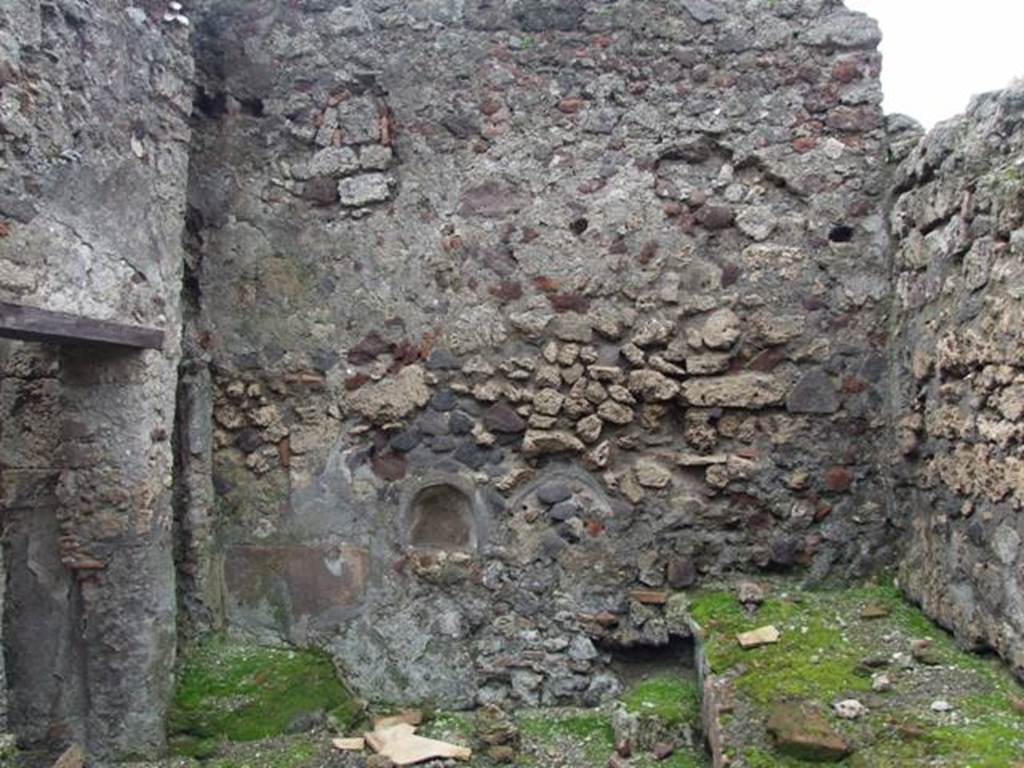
x=554 y=491
x=784 y=552
x=544 y=15
x=568 y=533
x=470 y=455
x=460 y=423
x=322 y=190
x=443 y=400
x=442 y=444
x=406 y=440
x=433 y=423
x=440 y=359
x=564 y=510
x=501 y=418
x=248 y=440
x=814 y=393
x=682 y=572
x=389 y=466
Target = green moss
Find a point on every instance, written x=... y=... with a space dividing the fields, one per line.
x=673 y=699
x=682 y=759
x=450 y=725
x=238 y=692
x=823 y=639
x=590 y=731
x=811 y=660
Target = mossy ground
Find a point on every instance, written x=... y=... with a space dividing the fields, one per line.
x=824 y=640
x=235 y=703
x=239 y=693
x=229 y=693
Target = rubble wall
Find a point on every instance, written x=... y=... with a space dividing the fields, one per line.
x=958 y=368
x=518 y=313
x=94 y=103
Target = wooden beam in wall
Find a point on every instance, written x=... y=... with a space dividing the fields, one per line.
x=32 y=324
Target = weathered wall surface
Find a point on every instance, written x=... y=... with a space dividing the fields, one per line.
x=614 y=273
x=958 y=228
x=94 y=106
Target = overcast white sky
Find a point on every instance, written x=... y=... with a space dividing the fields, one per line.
x=938 y=53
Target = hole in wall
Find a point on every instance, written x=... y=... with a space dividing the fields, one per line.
x=441 y=517
x=841 y=233
x=579 y=226
x=212 y=105
x=252 y=107
x=636 y=663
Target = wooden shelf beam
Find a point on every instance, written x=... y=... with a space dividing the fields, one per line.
x=32 y=324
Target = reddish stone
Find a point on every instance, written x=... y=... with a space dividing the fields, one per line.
x=767 y=360
x=853 y=385
x=546 y=284
x=389 y=466
x=846 y=71
x=569 y=302
x=730 y=274
x=838 y=479
x=571 y=106
x=492 y=200
x=405 y=353
x=804 y=144
x=367 y=349
x=715 y=217
x=591 y=186
x=490 y=106
x=594 y=528
x=648 y=252
x=823 y=510
x=506 y=291
x=352 y=383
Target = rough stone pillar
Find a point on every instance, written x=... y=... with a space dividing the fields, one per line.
x=116 y=520
x=43 y=671
x=3 y=668
x=198 y=573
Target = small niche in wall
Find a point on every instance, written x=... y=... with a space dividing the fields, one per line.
x=441 y=517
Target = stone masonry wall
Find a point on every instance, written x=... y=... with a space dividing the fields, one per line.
x=94 y=103
x=518 y=312
x=958 y=229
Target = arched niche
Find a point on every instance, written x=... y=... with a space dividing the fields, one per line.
x=440 y=517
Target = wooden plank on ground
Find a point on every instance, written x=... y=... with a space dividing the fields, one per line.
x=34 y=324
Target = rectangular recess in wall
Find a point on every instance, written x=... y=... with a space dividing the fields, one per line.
x=34 y=324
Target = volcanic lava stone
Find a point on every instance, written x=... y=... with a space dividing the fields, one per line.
x=405 y=441
x=443 y=400
x=563 y=510
x=460 y=423
x=441 y=359
x=248 y=440
x=470 y=455
x=503 y=419
x=553 y=492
